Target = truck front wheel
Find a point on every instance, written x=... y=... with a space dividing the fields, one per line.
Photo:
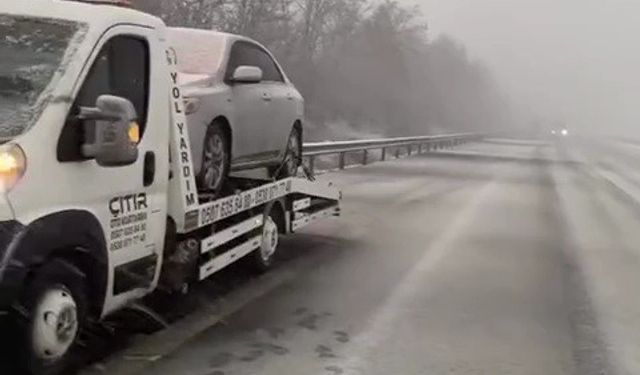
x=53 y=312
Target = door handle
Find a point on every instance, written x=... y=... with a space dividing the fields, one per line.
x=289 y=96
x=266 y=97
x=149 y=173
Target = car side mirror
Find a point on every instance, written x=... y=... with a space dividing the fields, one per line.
x=247 y=74
x=111 y=131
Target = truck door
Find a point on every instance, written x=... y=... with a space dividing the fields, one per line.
x=129 y=201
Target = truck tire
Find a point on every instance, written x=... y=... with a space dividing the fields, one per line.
x=216 y=159
x=53 y=311
x=293 y=156
x=262 y=259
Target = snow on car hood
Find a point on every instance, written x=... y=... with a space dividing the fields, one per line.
x=194 y=80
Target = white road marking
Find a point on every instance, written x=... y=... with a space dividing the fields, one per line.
x=382 y=324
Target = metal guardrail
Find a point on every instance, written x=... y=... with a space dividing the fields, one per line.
x=421 y=144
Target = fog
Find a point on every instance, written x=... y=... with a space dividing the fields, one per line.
x=366 y=68
x=571 y=61
x=382 y=67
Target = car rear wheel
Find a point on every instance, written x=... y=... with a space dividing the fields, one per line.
x=215 y=159
x=293 y=155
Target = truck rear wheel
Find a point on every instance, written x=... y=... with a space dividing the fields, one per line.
x=54 y=309
x=263 y=257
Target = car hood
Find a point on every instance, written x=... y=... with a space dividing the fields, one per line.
x=195 y=80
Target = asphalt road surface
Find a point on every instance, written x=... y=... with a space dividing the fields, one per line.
x=495 y=258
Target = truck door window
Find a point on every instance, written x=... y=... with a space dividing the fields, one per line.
x=121 y=69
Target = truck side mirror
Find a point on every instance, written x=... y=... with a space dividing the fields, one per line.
x=112 y=122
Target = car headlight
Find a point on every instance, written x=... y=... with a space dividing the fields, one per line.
x=191 y=105
x=13 y=164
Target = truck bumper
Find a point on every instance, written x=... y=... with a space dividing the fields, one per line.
x=12 y=275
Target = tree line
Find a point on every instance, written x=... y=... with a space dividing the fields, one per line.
x=365 y=67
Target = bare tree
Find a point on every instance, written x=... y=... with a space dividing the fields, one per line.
x=367 y=63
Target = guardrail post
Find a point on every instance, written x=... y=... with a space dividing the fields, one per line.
x=384 y=154
x=397 y=153
x=409 y=150
x=312 y=162
x=365 y=156
x=341 y=160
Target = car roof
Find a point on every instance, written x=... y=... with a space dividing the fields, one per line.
x=228 y=37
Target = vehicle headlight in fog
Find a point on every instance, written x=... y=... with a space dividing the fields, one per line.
x=13 y=164
x=564 y=132
x=553 y=132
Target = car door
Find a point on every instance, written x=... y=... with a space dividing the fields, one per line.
x=282 y=106
x=251 y=106
x=129 y=201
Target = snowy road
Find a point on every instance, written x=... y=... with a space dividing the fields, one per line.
x=495 y=258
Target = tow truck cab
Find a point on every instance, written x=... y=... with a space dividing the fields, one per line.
x=84 y=176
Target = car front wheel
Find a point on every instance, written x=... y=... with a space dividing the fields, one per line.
x=215 y=159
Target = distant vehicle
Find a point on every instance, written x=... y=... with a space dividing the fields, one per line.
x=563 y=132
x=242 y=110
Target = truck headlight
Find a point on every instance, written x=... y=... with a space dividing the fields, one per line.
x=13 y=164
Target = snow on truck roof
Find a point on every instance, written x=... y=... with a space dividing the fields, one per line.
x=83 y=12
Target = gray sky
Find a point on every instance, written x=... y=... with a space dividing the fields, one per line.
x=572 y=60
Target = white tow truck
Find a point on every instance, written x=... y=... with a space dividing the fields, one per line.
x=98 y=203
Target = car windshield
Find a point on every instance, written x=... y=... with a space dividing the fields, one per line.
x=34 y=53
x=200 y=53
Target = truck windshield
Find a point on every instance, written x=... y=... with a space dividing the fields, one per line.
x=34 y=52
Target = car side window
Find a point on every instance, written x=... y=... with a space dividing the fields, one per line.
x=245 y=53
x=240 y=55
x=270 y=70
x=121 y=69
